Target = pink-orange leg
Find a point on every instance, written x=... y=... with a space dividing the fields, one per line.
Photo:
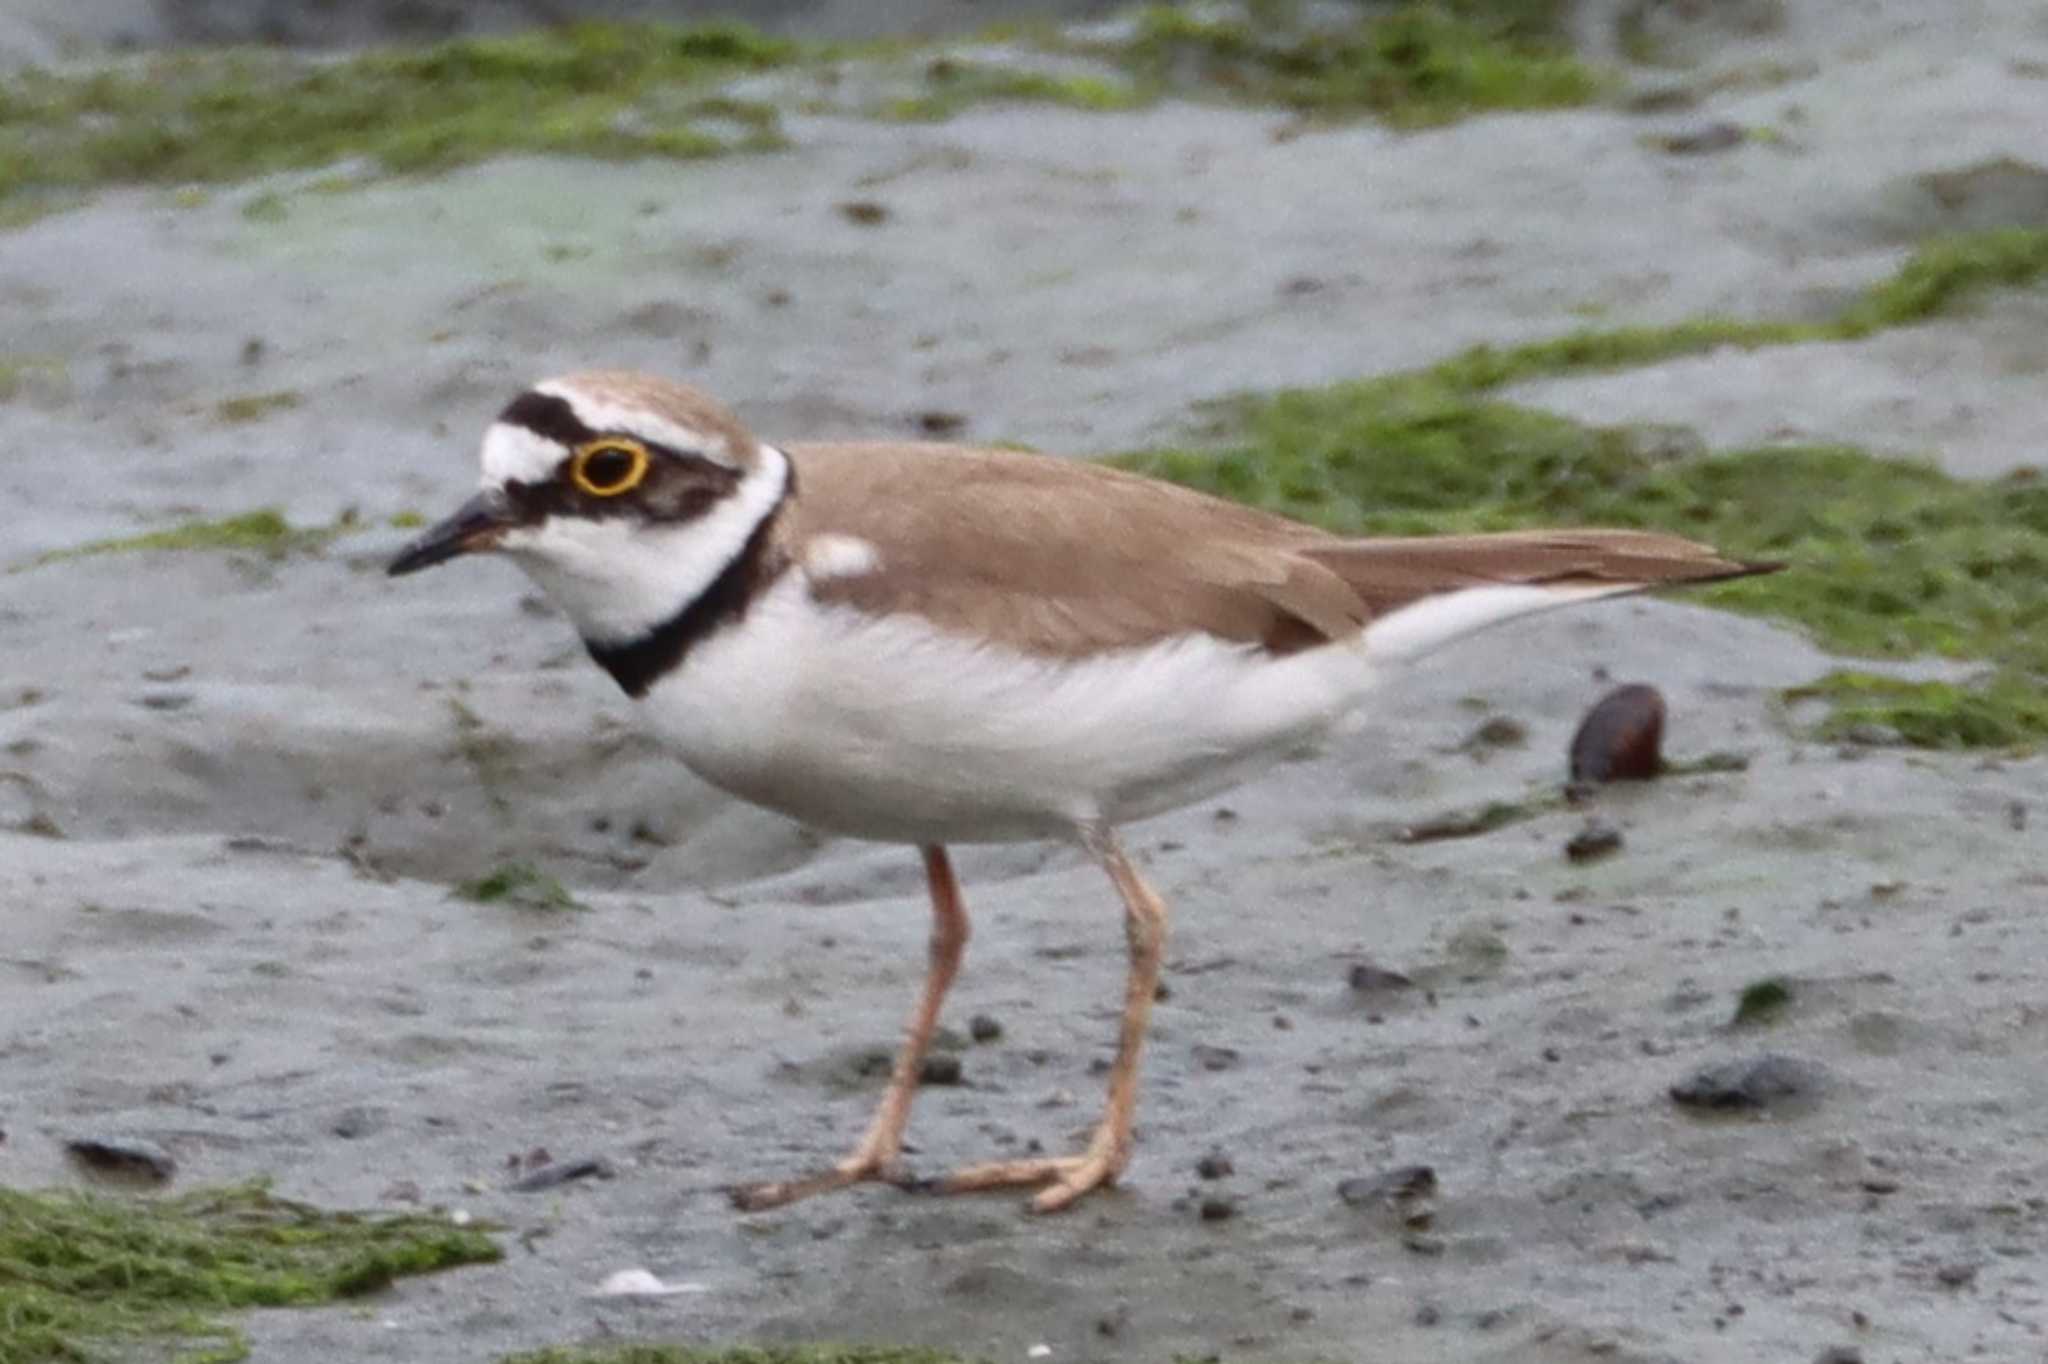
x=1109 y=1150
x=875 y=1156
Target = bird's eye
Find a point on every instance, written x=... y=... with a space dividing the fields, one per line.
x=609 y=467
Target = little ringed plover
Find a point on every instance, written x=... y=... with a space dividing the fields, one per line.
x=933 y=644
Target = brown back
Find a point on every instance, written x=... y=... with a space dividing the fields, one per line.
x=1062 y=557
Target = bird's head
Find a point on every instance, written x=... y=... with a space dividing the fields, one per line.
x=622 y=495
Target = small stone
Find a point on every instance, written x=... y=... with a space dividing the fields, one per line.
x=1770 y=1080
x=1402 y=1184
x=942 y=1069
x=1218 y=1208
x=562 y=1172
x=934 y=422
x=1215 y=1165
x=864 y=212
x=1839 y=1354
x=984 y=1027
x=1621 y=738
x=1216 y=1058
x=641 y=1283
x=1957 y=1274
x=1369 y=976
x=1595 y=841
x=126 y=1158
x=1496 y=731
x=1719 y=136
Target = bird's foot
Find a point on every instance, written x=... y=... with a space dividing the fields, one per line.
x=1066 y=1177
x=855 y=1169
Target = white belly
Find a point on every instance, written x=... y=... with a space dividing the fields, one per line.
x=890 y=729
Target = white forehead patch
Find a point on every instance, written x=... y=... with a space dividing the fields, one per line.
x=600 y=415
x=513 y=453
x=840 y=556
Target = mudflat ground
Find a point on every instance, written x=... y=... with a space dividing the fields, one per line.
x=267 y=773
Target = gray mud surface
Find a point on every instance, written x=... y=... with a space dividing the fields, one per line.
x=267 y=774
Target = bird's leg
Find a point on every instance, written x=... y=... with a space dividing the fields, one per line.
x=875 y=1155
x=1109 y=1150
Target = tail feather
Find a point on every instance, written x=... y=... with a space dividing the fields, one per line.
x=1425 y=592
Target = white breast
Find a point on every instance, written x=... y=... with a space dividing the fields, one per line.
x=888 y=728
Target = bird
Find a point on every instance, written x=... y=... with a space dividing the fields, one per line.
x=933 y=644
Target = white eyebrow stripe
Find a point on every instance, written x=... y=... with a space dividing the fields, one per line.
x=512 y=453
x=599 y=415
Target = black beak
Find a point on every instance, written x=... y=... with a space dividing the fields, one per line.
x=476 y=525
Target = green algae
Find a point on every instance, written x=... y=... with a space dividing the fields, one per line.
x=592 y=89
x=1762 y=1001
x=738 y=1354
x=251 y=407
x=1942 y=276
x=83 y=1276
x=264 y=531
x=649 y=90
x=520 y=885
x=2007 y=709
x=1418 y=66
x=951 y=85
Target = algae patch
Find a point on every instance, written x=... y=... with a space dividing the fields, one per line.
x=635 y=90
x=1417 y=66
x=264 y=531
x=251 y=407
x=83 y=1273
x=520 y=885
x=738 y=1354
x=592 y=89
x=950 y=85
x=1762 y=1001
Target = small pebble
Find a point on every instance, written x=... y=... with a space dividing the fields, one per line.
x=864 y=212
x=1369 y=976
x=1218 y=1208
x=641 y=1283
x=1839 y=1354
x=1216 y=1058
x=1595 y=841
x=1402 y=1183
x=1958 y=1274
x=984 y=1027
x=128 y=1158
x=1621 y=738
x=1719 y=136
x=941 y=1069
x=561 y=1172
x=1215 y=1165
x=1752 y=1083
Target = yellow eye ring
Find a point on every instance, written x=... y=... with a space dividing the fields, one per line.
x=608 y=467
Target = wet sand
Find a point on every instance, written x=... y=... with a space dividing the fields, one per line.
x=267 y=775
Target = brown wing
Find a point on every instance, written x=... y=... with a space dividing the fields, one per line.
x=1061 y=557
x=1391 y=573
